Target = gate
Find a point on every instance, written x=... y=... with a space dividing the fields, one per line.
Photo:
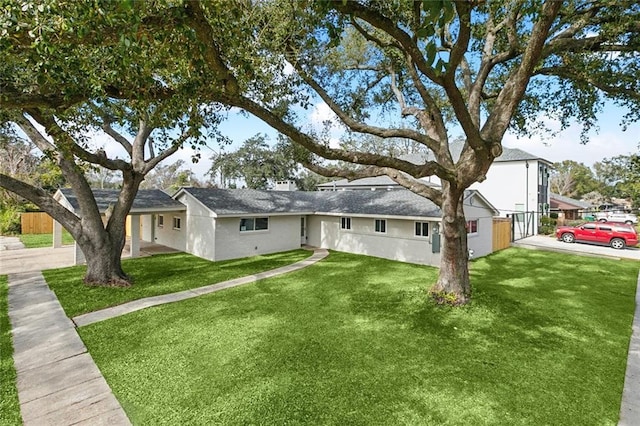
x=522 y=225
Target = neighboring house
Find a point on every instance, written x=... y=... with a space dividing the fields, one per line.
x=568 y=208
x=516 y=182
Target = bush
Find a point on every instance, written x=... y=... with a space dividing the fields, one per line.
x=553 y=215
x=10 y=220
x=546 y=229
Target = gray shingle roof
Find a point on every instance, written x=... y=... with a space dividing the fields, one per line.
x=572 y=201
x=229 y=202
x=146 y=199
x=251 y=201
x=508 y=154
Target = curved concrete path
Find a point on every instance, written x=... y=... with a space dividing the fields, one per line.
x=58 y=381
x=136 y=305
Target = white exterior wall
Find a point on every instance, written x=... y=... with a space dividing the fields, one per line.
x=482 y=242
x=167 y=236
x=283 y=234
x=398 y=243
x=200 y=228
x=510 y=188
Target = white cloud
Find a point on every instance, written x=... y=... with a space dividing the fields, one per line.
x=609 y=142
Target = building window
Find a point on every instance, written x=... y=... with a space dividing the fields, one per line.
x=160 y=221
x=472 y=226
x=254 y=224
x=177 y=222
x=422 y=229
x=345 y=223
x=381 y=226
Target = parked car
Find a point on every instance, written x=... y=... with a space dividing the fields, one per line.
x=616 y=235
x=627 y=218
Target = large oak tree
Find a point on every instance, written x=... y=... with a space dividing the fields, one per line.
x=474 y=66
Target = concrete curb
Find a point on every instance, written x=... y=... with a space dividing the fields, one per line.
x=136 y=305
x=630 y=406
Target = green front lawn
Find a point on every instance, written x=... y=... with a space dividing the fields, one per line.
x=43 y=240
x=9 y=405
x=155 y=275
x=353 y=340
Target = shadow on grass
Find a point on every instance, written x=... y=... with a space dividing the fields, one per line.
x=353 y=340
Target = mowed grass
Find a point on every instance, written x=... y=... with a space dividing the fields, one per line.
x=9 y=405
x=155 y=275
x=43 y=240
x=353 y=340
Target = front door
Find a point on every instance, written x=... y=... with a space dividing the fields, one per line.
x=303 y=231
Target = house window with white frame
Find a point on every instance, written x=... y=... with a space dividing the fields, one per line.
x=248 y=224
x=381 y=226
x=160 y=221
x=472 y=226
x=345 y=223
x=177 y=223
x=422 y=229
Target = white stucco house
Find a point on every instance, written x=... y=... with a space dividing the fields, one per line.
x=219 y=224
x=516 y=182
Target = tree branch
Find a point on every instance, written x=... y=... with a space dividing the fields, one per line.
x=106 y=126
x=43 y=200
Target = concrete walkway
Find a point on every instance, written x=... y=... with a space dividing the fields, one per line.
x=10 y=243
x=58 y=382
x=630 y=407
x=136 y=305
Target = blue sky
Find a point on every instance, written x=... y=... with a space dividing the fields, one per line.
x=609 y=141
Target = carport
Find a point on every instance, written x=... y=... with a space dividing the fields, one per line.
x=148 y=202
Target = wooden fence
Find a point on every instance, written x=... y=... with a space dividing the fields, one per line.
x=501 y=233
x=36 y=223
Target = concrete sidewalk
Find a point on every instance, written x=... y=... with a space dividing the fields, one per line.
x=58 y=382
x=630 y=407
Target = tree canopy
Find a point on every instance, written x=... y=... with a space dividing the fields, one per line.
x=434 y=66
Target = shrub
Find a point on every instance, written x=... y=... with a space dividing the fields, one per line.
x=10 y=220
x=546 y=229
x=553 y=215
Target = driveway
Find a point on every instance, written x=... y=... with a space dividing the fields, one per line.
x=35 y=259
x=542 y=242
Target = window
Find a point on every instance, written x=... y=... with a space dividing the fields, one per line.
x=160 y=221
x=381 y=226
x=422 y=229
x=177 y=222
x=472 y=226
x=345 y=223
x=254 y=224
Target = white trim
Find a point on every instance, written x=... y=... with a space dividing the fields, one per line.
x=179 y=227
x=158 y=224
x=348 y=221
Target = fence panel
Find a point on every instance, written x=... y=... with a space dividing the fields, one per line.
x=501 y=233
x=36 y=223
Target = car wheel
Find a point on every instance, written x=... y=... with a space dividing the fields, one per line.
x=602 y=220
x=618 y=243
x=628 y=222
x=568 y=237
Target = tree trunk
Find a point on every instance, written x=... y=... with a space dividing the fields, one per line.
x=453 y=284
x=104 y=267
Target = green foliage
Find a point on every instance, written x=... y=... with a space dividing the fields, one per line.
x=10 y=220
x=572 y=179
x=548 y=224
x=161 y=274
x=354 y=340
x=256 y=163
x=9 y=404
x=620 y=177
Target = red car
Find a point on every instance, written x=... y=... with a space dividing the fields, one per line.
x=616 y=235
